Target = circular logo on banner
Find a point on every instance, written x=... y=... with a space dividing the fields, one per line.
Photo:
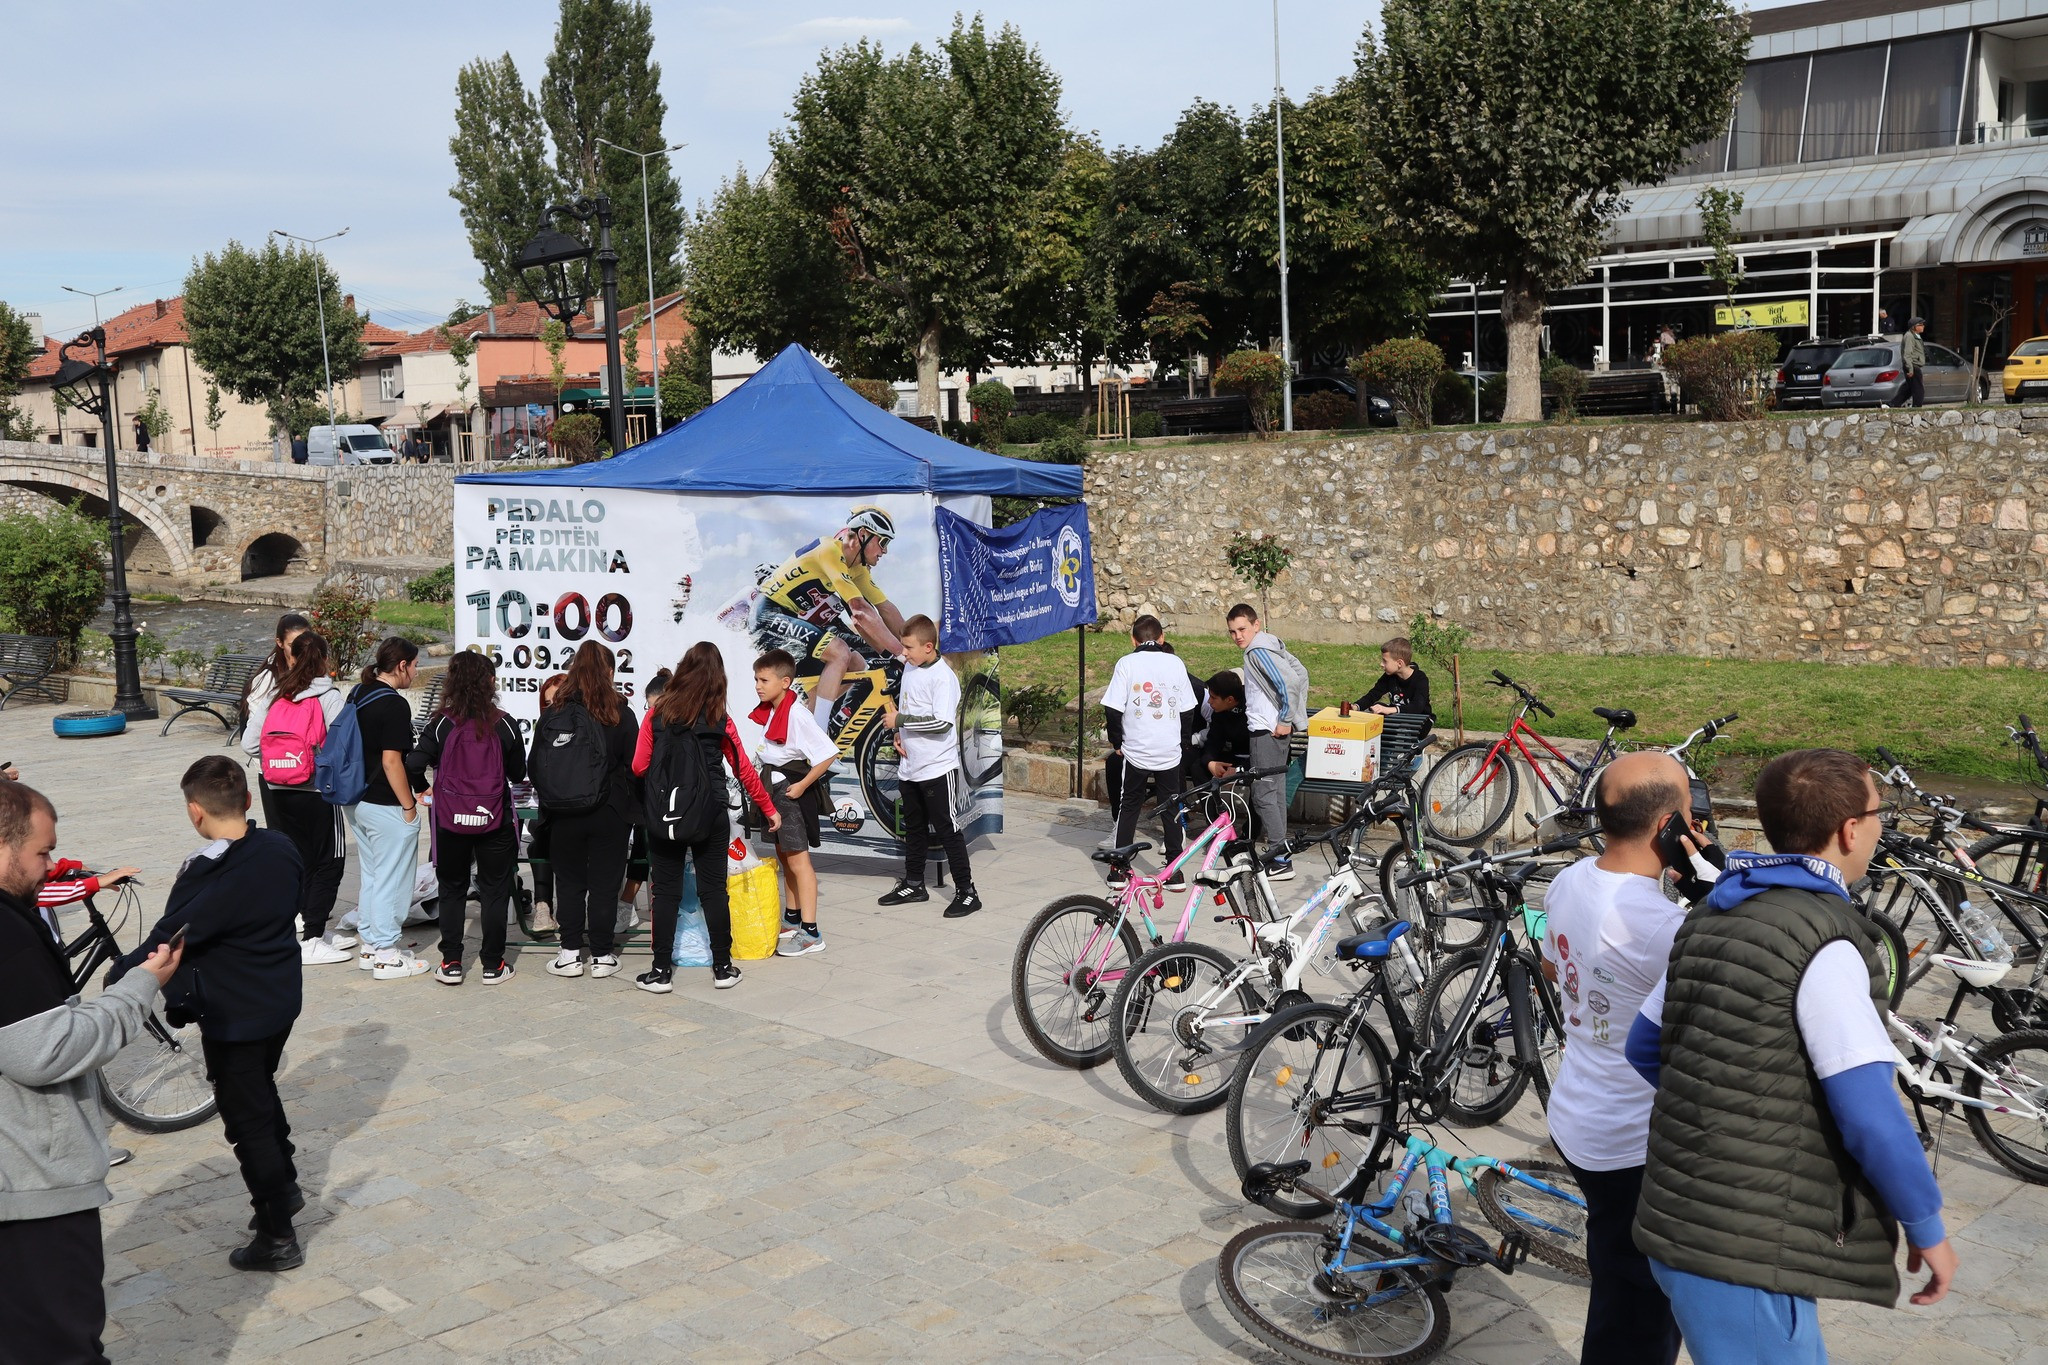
x=1066 y=565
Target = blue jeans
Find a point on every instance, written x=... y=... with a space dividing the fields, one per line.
x=387 y=855
x=1733 y=1324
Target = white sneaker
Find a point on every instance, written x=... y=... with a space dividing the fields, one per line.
x=568 y=962
x=395 y=964
x=543 y=920
x=628 y=919
x=318 y=952
x=607 y=965
x=366 y=957
x=335 y=938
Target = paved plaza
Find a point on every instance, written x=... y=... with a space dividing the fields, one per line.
x=852 y=1157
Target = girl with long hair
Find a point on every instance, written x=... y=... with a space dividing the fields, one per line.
x=537 y=841
x=300 y=813
x=691 y=710
x=480 y=746
x=256 y=700
x=386 y=820
x=587 y=847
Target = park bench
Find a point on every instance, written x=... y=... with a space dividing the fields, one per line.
x=224 y=694
x=26 y=663
x=1616 y=393
x=1402 y=740
x=430 y=702
x=1199 y=416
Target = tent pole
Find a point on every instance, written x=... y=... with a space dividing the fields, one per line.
x=1081 y=713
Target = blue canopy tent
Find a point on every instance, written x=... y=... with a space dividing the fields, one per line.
x=796 y=428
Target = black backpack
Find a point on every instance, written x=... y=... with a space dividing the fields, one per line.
x=571 y=764
x=686 y=784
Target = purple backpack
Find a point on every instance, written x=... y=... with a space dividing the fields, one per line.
x=469 y=781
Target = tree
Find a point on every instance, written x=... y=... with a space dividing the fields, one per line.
x=1406 y=369
x=215 y=413
x=685 y=379
x=19 y=346
x=1064 y=306
x=1503 y=132
x=53 y=575
x=602 y=82
x=255 y=326
x=153 y=417
x=502 y=176
x=1176 y=326
x=462 y=350
x=1718 y=210
x=1257 y=375
x=555 y=339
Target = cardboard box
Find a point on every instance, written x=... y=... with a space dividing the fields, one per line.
x=1344 y=748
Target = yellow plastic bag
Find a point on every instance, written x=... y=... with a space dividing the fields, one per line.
x=756 y=897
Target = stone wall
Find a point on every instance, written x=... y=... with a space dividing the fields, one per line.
x=1918 y=537
x=391 y=510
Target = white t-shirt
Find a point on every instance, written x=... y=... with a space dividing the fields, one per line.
x=1610 y=938
x=807 y=743
x=929 y=691
x=1837 y=1020
x=1151 y=688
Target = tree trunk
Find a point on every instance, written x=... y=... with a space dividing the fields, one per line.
x=928 y=371
x=1521 y=310
x=1191 y=374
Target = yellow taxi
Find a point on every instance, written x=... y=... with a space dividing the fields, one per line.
x=2026 y=371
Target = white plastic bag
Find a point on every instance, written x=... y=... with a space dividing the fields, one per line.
x=693 y=937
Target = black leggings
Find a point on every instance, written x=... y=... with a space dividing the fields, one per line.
x=1165 y=785
x=315 y=829
x=928 y=814
x=588 y=854
x=496 y=857
x=666 y=856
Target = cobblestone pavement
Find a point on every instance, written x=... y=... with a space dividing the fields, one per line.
x=854 y=1156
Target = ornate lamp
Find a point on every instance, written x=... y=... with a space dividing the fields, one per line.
x=557 y=268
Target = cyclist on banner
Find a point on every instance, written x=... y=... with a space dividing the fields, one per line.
x=823 y=604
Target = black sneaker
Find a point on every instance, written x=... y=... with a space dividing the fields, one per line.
x=966 y=900
x=1177 y=882
x=658 y=980
x=725 y=978
x=449 y=974
x=268 y=1253
x=501 y=972
x=906 y=893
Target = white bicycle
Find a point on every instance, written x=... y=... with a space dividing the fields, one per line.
x=2004 y=1089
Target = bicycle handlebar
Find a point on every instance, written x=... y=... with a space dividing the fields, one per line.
x=1501 y=679
x=1558 y=845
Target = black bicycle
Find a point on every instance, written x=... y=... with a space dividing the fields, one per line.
x=157 y=1083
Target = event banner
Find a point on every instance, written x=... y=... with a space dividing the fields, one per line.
x=1015 y=585
x=543 y=568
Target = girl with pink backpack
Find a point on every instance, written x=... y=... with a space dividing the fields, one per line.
x=289 y=732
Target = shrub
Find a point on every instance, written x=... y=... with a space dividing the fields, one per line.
x=345 y=611
x=1451 y=404
x=53 y=575
x=1031 y=707
x=577 y=437
x=1257 y=375
x=993 y=403
x=1145 y=424
x=1406 y=370
x=1567 y=382
x=1718 y=374
x=966 y=433
x=1258 y=560
x=1436 y=640
x=1493 y=397
x=880 y=392
x=1318 y=412
x=1069 y=447
x=438 y=586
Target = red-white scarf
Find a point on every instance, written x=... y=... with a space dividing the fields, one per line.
x=775 y=717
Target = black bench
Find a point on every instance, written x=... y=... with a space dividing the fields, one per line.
x=429 y=703
x=224 y=694
x=26 y=663
x=1201 y=416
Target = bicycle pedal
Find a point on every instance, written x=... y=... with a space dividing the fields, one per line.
x=1512 y=1251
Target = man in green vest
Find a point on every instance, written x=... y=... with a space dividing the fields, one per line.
x=1781 y=1165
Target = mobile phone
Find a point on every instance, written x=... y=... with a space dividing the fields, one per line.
x=177 y=940
x=1670 y=851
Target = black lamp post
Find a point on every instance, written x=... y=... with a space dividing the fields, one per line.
x=562 y=291
x=84 y=385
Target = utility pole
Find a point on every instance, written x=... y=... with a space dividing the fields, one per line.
x=1280 y=167
x=647 y=244
x=320 y=310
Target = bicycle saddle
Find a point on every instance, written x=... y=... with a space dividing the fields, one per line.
x=1978 y=974
x=1377 y=941
x=1267 y=1176
x=1117 y=857
x=1620 y=719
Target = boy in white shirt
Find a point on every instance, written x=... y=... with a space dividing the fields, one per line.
x=928 y=741
x=1148 y=709
x=794 y=756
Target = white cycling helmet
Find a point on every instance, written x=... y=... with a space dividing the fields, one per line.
x=873 y=520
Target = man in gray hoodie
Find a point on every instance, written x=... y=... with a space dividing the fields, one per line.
x=53 y=1143
x=1275 y=706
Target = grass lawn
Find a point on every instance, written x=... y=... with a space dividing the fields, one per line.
x=1951 y=720
x=424 y=615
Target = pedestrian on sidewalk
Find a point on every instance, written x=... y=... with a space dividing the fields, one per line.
x=1609 y=937
x=241 y=982
x=304 y=705
x=683 y=752
x=1913 y=360
x=537 y=841
x=53 y=1136
x=581 y=765
x=926 y=723
x=256 y=700
x=1149 y=708
x=385 y=821
x=1781 y=1167
x=1276 y=705
x=794 y=757
x=473 y=749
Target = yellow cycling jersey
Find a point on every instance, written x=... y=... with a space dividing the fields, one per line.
x=817 y=583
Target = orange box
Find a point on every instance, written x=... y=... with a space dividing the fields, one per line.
x=1344 y=748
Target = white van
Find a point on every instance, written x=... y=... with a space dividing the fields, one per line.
x=357 y=443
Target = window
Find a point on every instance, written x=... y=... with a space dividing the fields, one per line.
x=1768 y=113
x=1924 y=91
x=1843 y=105
x=1942 y=357
x=389 y=385
x=1869 y=355
x=2037 y=108
x=2038 y=346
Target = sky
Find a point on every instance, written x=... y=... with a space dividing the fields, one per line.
x=145 y=134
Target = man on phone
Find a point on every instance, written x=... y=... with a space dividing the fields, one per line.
x=53 y=1142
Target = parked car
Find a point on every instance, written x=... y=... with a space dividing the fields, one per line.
x=1379 y=409
x=2026 y=370
x=350 y=443
x=1803 y=368
x=1868 y=374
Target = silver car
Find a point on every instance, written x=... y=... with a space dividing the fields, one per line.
x=1868 y=374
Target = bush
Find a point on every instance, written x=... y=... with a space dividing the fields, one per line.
x=1069 y=447
x=1718 y=374
x=1567 y=383
x=345 y=611
x=880 y=392
x=1258 y=560
x=1031 y=707
x=1451 y=404
x=966 y=433
x=1436 y=640
x=1493 y=397
x=576 y=438
x=1144 y=424
x=1257 y=375
x=438 y=586
x=993 y=403
x=53 y=574
x=1318 y=412
x=1406 y=371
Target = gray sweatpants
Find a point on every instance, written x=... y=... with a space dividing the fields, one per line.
x=1269 y=794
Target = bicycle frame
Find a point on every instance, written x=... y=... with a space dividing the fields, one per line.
x=1423 y=1154
x=1144 y=893
x=1932 y=1048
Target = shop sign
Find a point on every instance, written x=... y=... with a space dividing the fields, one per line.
x=1764 y=313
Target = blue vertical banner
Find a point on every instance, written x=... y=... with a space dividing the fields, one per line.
x=1021 y=583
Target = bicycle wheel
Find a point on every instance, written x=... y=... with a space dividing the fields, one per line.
x=1905 y=903
x=2016 y=860
x=875 y=761
x=1538 y=1026
x=1167 y=1055
x=2018 y=1063
x=981 y=728
x=1464 y=798
x=157 y=1083
x=1891 y=946
x=1275 y=1281
x=1309 y=1090
x=1061 y=1000
x=1555 y=1224
x=1424 y=903
x=1485 y=1079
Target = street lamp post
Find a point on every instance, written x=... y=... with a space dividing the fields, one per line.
x=320 y=310
x=1280 y=166
x=95 y=295
x=84 y=385
x=563 y=294
x=647 y=245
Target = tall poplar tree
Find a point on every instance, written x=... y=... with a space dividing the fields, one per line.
x=502 y=176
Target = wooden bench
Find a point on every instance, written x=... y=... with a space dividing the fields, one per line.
x=26 y=663
x=224 y=694
x=1200 y=416
x=430 y=702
